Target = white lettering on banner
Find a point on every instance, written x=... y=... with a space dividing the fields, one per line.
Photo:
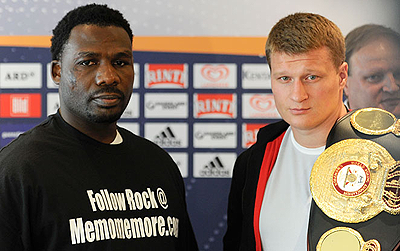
x=165 y=76
x=20 y=75
x=256 y=76
x=105 y=200
x=118 y=228
x=216 y=105
x=212 y=106
x=20 y=105
x=214 y=135
x=166 y=105
x=212 y=165
x=124 y=228
x=5 y=135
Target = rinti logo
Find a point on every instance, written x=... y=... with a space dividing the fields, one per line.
x=166 y=76
x=20 y=105
x=214 y=105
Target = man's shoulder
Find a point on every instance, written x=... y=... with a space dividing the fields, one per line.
x=28 y=143
x=265 y=134
x=271 y=131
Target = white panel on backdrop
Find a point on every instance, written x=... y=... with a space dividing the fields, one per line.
x=214 y=105
x=133 y=127
x=255 y=106
x=181 y=160
x=213 y=165
x=53 y=102
x=214 y=135
x=222 y=76
x=174 y=76
x=166 y=105
x=256 y=76
x=168 y=135
x=133 y=108
x=20 y=75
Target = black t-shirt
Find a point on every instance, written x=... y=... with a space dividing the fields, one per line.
x=61 y=190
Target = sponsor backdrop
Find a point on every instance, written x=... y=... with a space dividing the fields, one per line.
x=202 y=87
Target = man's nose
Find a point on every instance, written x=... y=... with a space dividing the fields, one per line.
x=299 y=92
x=391 y=83
x=107 y=75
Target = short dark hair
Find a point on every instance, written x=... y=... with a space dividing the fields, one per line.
x=92 y=14
x=302 y=32
x=361 y=36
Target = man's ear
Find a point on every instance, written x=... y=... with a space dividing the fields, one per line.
x=343 y=75
x=56 y=71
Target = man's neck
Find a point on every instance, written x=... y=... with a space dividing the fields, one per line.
x=102 y=132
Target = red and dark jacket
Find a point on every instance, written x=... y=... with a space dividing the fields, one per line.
x=247 y=188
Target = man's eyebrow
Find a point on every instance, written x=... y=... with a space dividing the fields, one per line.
x=87 y=54
x=124 y=54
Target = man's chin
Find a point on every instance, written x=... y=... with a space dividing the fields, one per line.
x=105 y=118
x=394 y=109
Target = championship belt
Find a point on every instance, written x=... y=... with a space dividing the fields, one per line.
x=353 y=180
x=375 y=121
x=344 y=238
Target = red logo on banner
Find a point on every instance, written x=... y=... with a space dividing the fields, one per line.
x=215 y=73
x=251 y=131
x=165 y=74
x=20 y=105
x=262 y=103
x=215 y=105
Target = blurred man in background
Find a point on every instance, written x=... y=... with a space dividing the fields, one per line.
x=373 y=56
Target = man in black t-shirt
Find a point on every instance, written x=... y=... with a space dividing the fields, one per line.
x=78 y=181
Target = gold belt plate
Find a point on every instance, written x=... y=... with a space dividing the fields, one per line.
x=354 y=180
x=344 y=238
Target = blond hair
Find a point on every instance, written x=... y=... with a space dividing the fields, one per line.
x=302 y=32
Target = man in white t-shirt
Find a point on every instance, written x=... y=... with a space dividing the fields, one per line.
x=270 y=199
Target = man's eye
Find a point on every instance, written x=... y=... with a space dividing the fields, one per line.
x=312 y=77
x=121 y=63
x=376 y=78
x=396 y=75
x=284 y=78
x=87 y=63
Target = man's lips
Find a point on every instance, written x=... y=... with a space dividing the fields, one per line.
x=107 y=99
x=299 y=111
x=391 y=100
